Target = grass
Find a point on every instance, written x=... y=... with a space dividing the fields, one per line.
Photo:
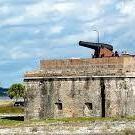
x=6 y=103
x=80 y=119
x=14 y=122
x=10 y=123
x=8 y=107
x=11 y=110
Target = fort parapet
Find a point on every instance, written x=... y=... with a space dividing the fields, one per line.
x=85 y=67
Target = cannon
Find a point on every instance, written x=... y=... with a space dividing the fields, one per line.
x=101 y=49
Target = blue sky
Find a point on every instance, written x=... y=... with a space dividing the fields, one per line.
x=31 y=30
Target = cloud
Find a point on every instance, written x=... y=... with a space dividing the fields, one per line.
x=4 y=9
x=31 y=30
x=46 y=11
x=56 y=29
x=127 y=7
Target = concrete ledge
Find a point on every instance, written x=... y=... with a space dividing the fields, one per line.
x=70 y=77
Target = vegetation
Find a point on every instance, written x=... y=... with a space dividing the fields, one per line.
x=4 y=103
x=17 y=91
x=18 y=121
x=8 y=107
x=9 y=123
x=11 y=110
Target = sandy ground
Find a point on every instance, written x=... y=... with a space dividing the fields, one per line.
x=6 y=102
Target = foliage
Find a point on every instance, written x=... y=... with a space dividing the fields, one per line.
x=16 y=91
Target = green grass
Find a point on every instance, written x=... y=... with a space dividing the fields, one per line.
x=14 y=123
x=80 y=119
x=8 y=107
x=11 y=110
x=10 y=123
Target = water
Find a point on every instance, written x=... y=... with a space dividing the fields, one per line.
x=5 y=98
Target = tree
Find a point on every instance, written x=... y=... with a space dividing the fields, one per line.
x=17 y=91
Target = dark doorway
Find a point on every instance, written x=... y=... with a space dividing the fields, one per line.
x=59 y=106
x=102 y=84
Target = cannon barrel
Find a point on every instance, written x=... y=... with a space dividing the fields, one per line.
x=95 y=46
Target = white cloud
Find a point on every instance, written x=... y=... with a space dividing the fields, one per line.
x=73 y=39
x=55 y=29
x=16 y=53
x=46 y=10
x=36 y=10
x=127 y=7
x=4 y=9
x=64 y=7
x=13 y=20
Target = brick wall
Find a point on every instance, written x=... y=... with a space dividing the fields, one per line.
x=47 y=64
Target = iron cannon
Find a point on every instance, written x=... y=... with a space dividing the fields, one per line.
x=101 y=49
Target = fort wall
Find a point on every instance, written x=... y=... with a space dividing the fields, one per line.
x=80 y=97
